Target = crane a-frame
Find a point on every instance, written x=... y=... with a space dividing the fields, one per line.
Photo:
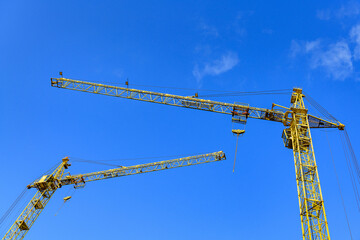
x=48 y=184
x=296 y=136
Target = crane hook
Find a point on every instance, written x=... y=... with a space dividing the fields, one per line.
x=238 y=132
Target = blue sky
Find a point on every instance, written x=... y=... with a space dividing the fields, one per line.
x=218 y=45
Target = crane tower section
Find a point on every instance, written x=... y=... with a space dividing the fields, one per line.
x=47 y=185
x=298 y=138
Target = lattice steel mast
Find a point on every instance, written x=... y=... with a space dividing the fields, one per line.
x=297 y=137
x=48 y=184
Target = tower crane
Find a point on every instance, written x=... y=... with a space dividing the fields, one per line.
x=296 y=136
x=48 y=184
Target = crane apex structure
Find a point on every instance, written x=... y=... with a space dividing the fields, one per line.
x=296 y=136
x=48 y=184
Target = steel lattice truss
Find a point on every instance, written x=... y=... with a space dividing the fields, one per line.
x=48 y=184
x=311 y=203
x=31 y=212
x=278 y=115
x=143 y=168
x=297 y=137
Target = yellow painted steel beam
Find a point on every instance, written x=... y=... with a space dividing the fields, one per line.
x=276 y=115
x=47 y=188
x=298 y=138
x=48 y=184
x=143 y=168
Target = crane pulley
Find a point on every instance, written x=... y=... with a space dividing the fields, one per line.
x=48 y=184
x=296 y=136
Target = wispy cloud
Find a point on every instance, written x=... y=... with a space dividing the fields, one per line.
x=239 y=24
x=350 y=9
x=225 y=63
x=209 y=30
x=295 y=48
x=324 y=14
x=302 y=47
x=355 y=37
x=312 y=46
x=335 y=59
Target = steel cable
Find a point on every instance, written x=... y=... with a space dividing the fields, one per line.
x=320 y=108
x=13 y=205
x=20 y=198
x=338 y=182
x=76 y=159
x=351 y=150
x=192 y=89
x=353 y=180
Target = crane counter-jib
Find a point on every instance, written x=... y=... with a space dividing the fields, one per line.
x=276 y=115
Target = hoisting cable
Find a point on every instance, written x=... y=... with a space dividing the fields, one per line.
x=237 y=141
x=68 y=196
x=353 y=180
x=338 y=183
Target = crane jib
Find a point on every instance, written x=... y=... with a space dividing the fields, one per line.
x=48 y=184
x=276 y=115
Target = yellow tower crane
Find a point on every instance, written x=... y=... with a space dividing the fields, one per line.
x=296 y=136
x=48 y=184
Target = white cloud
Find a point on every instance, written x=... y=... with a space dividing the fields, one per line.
x=324 y=14
x=350 y=9
x=335 y=60
x=301 y=47
x=295 y=48
x=209 y=30
x=355 y=37
x=219 y=66
x=311 y=46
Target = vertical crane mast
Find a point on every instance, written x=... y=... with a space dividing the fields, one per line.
x=46 y=186
x=298 y=138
